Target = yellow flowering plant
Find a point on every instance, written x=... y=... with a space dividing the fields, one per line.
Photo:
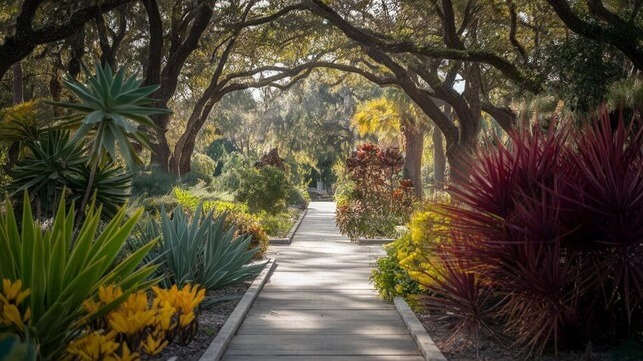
x=56 y=276
x=138 y=326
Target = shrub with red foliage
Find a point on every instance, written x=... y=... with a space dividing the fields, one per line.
x=378 y=199
x=553 y=224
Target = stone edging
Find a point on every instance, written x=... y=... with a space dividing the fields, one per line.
x=417 y=330
x=291 y=233
x=373 y=241
x=229 y=329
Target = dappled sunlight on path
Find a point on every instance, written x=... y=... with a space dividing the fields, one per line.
x=319 y=304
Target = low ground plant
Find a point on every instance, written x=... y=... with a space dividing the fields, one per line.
x=198 y=249
x=140 y=325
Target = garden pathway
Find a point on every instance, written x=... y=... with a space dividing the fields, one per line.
x=319 y=304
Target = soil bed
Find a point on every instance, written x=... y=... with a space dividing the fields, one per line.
x=489 y=350
x=210 y=322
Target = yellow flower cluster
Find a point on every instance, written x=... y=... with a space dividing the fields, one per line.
x=138 y=326
x=11 y=299
x=429 y=228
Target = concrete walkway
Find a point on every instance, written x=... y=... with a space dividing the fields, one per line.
x=319 y=304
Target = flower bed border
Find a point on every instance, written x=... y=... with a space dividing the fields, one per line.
x=373 y=241
x=288 y=239
x=422 y=339
x=220 y=343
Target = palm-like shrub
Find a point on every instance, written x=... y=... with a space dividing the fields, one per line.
x=23 y=124
x=110 y=187
x=54 y=163
x=113 y=110
x=546 y=237
x=202 y=251
x=61 y=276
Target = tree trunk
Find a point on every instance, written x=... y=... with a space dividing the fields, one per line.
x=184 y=148
x=414 y=147
x=160 y=147
x=18 y=97
x=18 y=90
x=439 y=158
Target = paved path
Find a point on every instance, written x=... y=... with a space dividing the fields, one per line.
x=319 y=304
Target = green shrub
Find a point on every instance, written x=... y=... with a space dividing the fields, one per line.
x=276 y=225
x=264 y=189
x=5 y=178
x=202 y=163
x=234 y=168
x=191 y=179
x=62 y=274
x=389 y=278
x=298 y=196
x=152 y=183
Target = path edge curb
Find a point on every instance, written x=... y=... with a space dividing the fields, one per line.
x=291 y=234
x=218 y=346
x=374 y=241
x=428 y=348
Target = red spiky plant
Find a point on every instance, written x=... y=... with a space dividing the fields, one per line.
x=553 y=224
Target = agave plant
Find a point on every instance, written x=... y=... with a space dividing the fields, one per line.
x=61 y=276
x=201 y=251
x=113 y=108
x=54 y=163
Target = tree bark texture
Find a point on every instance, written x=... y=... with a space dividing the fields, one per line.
x=18 y=90
x=414 y=147
x=439 y=158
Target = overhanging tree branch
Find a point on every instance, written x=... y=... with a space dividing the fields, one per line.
x=625 y=37
x=398 y=47
x=26 y=38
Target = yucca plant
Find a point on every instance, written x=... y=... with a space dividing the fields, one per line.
x=201 y=251
x=54 y=163
x=60 y=276
x=113 y=110
x=111 y=187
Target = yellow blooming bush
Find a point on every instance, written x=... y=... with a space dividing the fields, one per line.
x=428 y=229
x=410 y=262
x=139 y=325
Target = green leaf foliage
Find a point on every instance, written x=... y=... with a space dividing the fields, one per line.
x=202 y=251
x=113 y=107
x=61 y=276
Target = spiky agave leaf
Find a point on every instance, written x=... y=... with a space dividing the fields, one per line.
x=114 y=108
x=55 y=163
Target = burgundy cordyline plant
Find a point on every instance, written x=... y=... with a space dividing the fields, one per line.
x=380 y=199
x=547 y=237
